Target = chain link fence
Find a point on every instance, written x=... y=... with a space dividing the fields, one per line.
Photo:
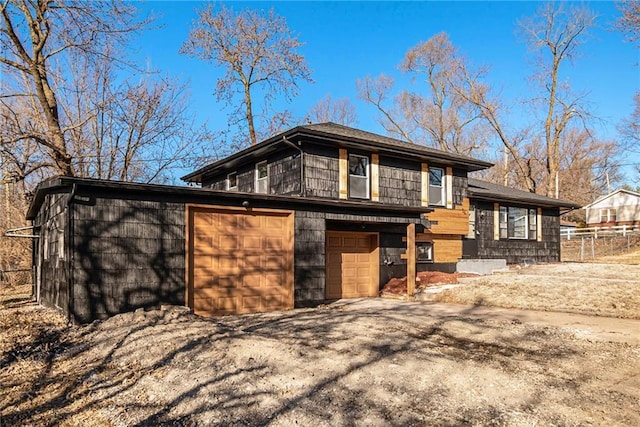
x=588 y=247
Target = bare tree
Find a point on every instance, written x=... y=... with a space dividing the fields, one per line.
x=256 y=50
x=556 y=32
x=340 y=111
x=377 y=92
x=629 y=128
x=74 y=104
x=629 y=22
x=493 y=111
x=131 y=129
x=34 y=36
x=434 y=113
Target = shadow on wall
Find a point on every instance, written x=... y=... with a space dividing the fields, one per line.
x=129 y=254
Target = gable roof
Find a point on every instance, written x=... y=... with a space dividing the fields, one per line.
x=606 y=196
x=343 y=136
x=489 y=191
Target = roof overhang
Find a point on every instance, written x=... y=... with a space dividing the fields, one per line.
x=299 y=133
x=208 y=196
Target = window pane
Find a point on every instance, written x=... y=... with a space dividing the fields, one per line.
x=612 y=215
x=604 y=215
x=533 y=214
x=262 y=170
x=435 y=196
x=358 y=165
x=358 y=187
x=435 y=177
x=424 y=251
x=517 y=223
x=436 y=189
x=233 y=180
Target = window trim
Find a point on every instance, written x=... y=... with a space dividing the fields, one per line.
x=229 y=187
x=442 y=186
x=367 y=176
x=264 y=178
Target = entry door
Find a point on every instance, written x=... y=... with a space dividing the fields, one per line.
x=352 y=265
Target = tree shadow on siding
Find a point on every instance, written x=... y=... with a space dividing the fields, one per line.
x=129 y=257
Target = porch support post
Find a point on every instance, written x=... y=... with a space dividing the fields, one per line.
x=411 y=259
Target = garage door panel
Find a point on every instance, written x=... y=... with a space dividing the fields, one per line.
x=274 y=243
x=275 y=280
x=351 y=259
x=228 y=242
x=251 y=242
x=240 y=261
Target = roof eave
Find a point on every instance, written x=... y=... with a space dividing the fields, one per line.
x=541 y=203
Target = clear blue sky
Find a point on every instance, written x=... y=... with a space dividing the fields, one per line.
x=345 y=41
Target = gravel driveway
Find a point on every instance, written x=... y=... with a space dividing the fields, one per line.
x=361 y=362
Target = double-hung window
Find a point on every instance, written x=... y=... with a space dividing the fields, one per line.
x=232 y=181
x=436 y=187
x=262 y=177
x=358 y=176
x=517 y=223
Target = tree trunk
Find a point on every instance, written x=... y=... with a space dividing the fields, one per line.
x=249 y=112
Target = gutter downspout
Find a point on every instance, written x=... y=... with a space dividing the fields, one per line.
x=303 y=187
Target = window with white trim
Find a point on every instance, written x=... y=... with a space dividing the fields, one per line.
x=517 y=223
x=607 y=215
x=437 y=196
x=232 y=181
x=262 y=177
x=358 y=176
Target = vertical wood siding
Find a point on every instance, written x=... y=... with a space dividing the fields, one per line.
x=309 y=256
x=51 y=255
x=128 y=254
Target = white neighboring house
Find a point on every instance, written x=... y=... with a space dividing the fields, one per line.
x=622 y=207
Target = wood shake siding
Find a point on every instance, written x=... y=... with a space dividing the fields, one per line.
x=321 y=174
x=284 y=174
x=513 y=250
x=400 y=182
x=460 y=185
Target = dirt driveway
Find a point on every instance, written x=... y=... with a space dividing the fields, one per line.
x=363 y=362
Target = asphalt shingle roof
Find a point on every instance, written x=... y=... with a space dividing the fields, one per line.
x=491 y=191
x=333 y=131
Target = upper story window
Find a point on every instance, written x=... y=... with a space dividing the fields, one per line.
x=517 y=223
x=232 y=181
x=262 y=177
x=358 y=176
x=437 y=194
x=607 y=215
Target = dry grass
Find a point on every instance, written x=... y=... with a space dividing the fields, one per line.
x=595 y=289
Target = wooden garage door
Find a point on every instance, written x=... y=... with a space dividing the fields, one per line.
x=352 y=265
x=239 y=261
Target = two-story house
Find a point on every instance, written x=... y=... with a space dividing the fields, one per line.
x=318 y=212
